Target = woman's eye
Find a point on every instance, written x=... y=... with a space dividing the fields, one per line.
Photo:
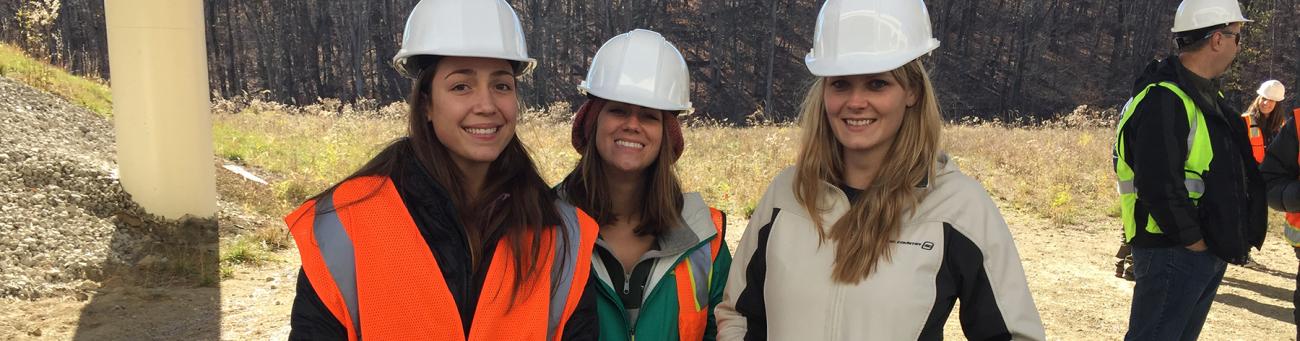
x=459 y=87
x=505 y=87
x=877 y=84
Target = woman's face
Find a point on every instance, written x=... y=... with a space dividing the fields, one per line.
x=474 y=108
x=628 y=136
x=1266 y=106
x=866 y=111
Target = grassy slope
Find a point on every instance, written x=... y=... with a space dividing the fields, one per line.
x=91 y=94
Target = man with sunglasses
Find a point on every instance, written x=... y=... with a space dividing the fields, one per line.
x=1191 y=198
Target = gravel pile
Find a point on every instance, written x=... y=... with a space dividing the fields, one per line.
x=64 y=217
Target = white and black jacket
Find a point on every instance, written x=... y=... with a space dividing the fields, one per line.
x=955 y=247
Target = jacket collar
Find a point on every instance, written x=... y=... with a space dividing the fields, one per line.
x=417 y=186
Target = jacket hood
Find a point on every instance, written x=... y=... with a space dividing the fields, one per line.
x=1159 y=70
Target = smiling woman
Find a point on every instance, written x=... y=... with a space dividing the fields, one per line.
x=448 y=233
x=660 y=262
x=474 y=111
x=874 y=233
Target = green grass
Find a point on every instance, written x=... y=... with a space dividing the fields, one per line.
x=90 y=94
x=306 y=154
x=244 y=251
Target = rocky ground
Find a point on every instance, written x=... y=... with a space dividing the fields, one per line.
x=64 y=215
x=74 y=247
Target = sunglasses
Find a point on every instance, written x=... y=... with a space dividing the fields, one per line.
x=1235 y=35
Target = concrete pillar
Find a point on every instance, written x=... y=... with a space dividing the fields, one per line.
x=159 y=78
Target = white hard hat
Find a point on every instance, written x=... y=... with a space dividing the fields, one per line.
x=1197 y=14
x=856 y=37
x=484 y=28
x=1272 y=90
x=642 y=68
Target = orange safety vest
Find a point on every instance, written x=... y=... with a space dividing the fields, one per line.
x=694 y=278
x=369 y=264
x=1256 y=137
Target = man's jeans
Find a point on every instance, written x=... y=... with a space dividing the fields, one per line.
x=1175 y=287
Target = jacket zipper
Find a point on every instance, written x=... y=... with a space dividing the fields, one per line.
x=631 y=330
x=627 y=281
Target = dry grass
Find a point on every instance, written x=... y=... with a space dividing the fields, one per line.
x=1059 y=170
x=1058 y=173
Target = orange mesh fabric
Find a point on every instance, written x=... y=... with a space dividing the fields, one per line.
x=300 y=224
x=401 y=294
x=400 y=290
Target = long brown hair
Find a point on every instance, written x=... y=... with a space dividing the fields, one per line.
x=515 y=203
x=661 y=205
x=1273 y=122
x=863 y=234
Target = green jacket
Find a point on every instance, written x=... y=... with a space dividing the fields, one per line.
x=658 y=316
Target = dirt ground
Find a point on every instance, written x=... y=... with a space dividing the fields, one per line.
x=1070 y=272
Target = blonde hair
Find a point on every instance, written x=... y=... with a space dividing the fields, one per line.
x=863 y=234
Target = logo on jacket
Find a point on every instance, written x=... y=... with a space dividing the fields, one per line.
x=924 y=245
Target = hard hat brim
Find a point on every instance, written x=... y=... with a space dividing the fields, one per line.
x=1177 y=29
x=1262 y=93
x=522 y=66
x=645 y=102
x=864 y=64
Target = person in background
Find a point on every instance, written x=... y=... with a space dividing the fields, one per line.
x=1281 y=172
x=1191 y=195
x=1261 y=123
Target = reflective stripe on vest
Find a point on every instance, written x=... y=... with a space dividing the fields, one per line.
x=694 y=278
x=1292 y=230
x=369 y=264
x=1197 y=160
x=1256 y=135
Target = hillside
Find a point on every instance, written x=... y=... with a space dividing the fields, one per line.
x=1010 y=58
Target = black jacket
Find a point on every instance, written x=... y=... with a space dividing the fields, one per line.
x=1280 y=170
x=436 y=218
x=1231 y=215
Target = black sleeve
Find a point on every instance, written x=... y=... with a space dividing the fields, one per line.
x=751 y=304
x=310 y=319
x=1155 y=139
x=962 y=276
x=584 y=324
x=1280 y=170
x=980 y=315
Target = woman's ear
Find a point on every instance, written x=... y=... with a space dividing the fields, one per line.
x=912 y=96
